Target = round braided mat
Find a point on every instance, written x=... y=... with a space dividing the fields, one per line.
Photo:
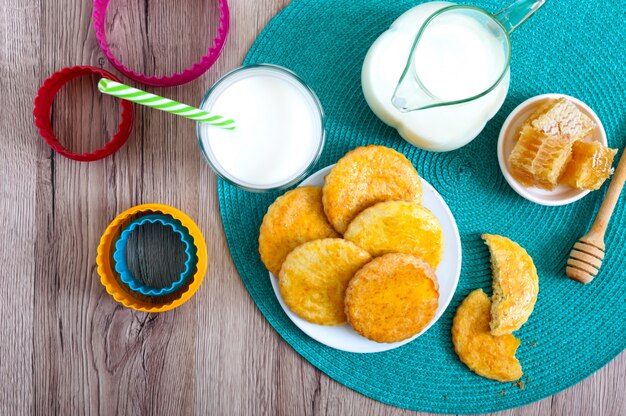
x=575 y=329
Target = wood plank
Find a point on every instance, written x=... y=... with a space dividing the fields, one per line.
x=19 y=80
x=66 y=346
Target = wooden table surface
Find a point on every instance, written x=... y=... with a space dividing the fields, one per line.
x=65 y=346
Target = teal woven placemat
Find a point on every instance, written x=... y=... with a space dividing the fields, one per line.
x=575 y=329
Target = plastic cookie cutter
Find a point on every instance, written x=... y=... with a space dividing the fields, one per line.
x=121 y=291
x=43 y=106
x=121 y=266
x=187 y=75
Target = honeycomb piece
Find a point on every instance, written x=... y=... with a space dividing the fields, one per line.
x=590 y=166
x=561 y=118
x=538 y=159
x=551 y=160
x=523 y=154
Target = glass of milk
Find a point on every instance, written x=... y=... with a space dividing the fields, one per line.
x=279 y=133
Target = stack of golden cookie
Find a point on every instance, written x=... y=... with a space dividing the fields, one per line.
x=482 y=328
x=361 y=249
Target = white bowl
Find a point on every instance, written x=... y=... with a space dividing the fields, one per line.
x=343 y=337
x=561 y=195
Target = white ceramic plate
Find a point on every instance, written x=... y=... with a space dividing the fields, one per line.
x=561 y=195
x=343 y=337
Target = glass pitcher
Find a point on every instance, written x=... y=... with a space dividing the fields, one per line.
x=460 y=54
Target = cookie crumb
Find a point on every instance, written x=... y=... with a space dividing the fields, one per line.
x=520 y=384
x=502 y=393
x=533 y=344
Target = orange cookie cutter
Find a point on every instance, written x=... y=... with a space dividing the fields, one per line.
x=120 y=291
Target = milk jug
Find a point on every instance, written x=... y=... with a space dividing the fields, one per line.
x=441 y=71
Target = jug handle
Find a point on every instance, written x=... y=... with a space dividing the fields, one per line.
x=517 y=13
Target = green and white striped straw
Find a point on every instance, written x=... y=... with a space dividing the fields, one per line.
x=125 y=92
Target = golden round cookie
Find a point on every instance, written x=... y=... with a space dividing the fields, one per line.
x=314 y=278
x=515 y=284
x=398 y=227
x=487 y=355
x=365 y=176
x=294 y=218
x=392 y=298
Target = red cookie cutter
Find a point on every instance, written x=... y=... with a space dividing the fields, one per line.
x=43 y=104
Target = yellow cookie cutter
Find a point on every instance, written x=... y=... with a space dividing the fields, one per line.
x=122 y=293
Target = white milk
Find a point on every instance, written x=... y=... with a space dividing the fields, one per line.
x=455 y=59
x=279 y=130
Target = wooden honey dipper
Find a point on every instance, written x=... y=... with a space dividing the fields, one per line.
x=586 y=257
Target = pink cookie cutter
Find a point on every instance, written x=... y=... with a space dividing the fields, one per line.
x=187 y=75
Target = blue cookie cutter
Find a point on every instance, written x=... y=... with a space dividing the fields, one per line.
x=121 y=266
